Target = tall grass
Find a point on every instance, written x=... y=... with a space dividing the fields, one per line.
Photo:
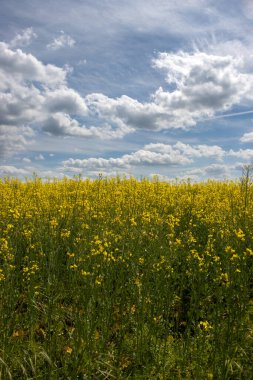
x=126 y=279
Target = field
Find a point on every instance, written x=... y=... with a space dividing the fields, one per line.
x=126 y=279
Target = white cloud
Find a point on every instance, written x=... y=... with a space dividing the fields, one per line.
x=195 y=151
x=103 y=173
x=23 y=39
x=244 y=154
x=61 y=124
x=29 y=171
x=17 y=66
x=13 y=139
x=40 y=157
x=194 y=175
x=247 y=8
x=34 y=93
x=216 y=170
x=146 y=156
x=240 y=166
x=238 y=48
x=26 y=160
x=62 y=41
x=212 y=171
x=31 y=92
x=159 y=177
x=205 y=85
x=201 y=85
x=247 y=137
x=140 y=157
x=124 y=112
x=82 y=62
x=165 y=155
x=66 y=100
x=9 y=170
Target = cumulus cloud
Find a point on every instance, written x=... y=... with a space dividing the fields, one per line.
x=28 y=171
x=21 y=102
x=140 y=157
x=170 y=156
x=247 y=137
x=9 y=170
x=200 y=85
x=65 y=100
x=62 y=41
x=216 y=170
x=195 y=151
x=23 y=39
x=244 y=154
x=151 y=154
x=205 y=84
x=13 y=139
x=124 y=112
x=17 y=66
x=61 y=124
x=19 y=71
x=33 y=93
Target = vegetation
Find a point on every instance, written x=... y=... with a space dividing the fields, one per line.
x=126 y=279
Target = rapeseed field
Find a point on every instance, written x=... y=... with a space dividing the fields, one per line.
x=126 y=279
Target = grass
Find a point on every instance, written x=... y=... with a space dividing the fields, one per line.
x=126 y=279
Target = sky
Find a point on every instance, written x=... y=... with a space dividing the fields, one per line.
x=138 y=88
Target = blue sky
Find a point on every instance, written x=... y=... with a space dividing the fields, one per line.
x=133 y=87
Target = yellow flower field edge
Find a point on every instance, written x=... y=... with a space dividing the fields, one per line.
x=126 y=279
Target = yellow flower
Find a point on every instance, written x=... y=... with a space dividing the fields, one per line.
x=98 y=280
x=53 y=223
x=97 y=335
x=133 y=309
x=84 y=273
x=240 y=234
x=18 y=333
x=157 y=319
x=249 y=252
x=133 y=222
x=68 y=349
x=224 y=278
x=137 y=281
x=2 y=276
x=65 y=233
x=204 y=325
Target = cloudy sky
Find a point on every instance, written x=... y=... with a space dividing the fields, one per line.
x=130 y=87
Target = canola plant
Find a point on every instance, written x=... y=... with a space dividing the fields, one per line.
x=120 y=278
